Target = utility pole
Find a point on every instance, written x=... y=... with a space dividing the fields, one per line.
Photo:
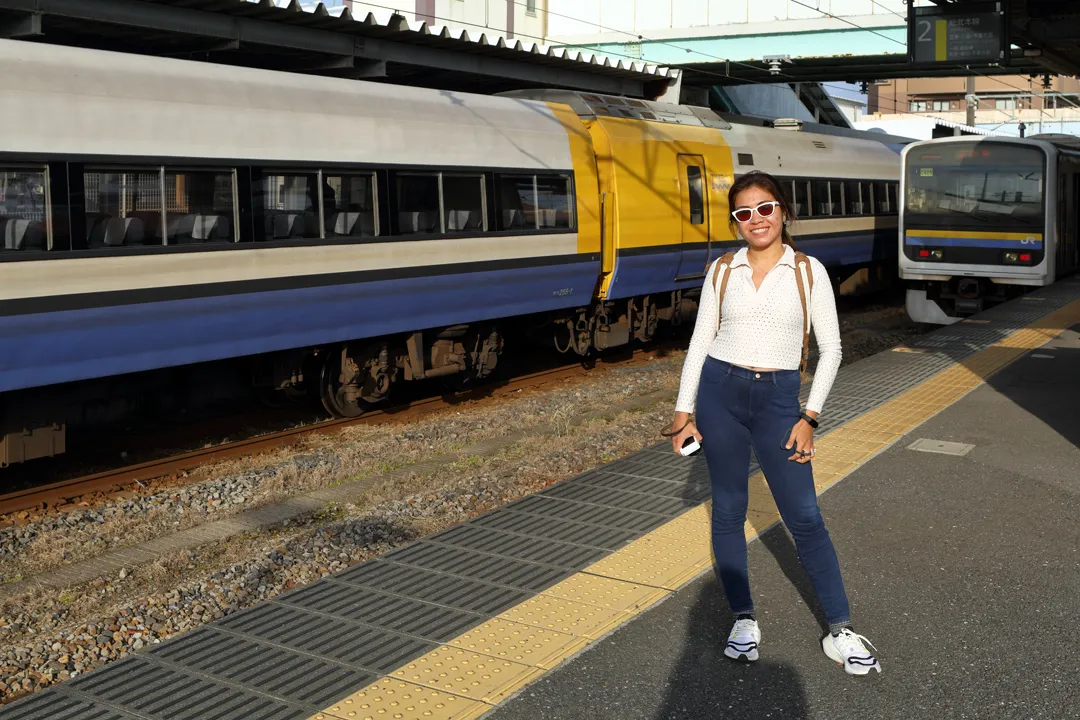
x=971 y=101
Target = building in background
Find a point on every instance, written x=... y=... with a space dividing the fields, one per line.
x=850 y=98
x=511 y=19
x=1044 y=104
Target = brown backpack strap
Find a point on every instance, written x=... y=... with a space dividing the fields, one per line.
x=803 y=262
x=725 y=262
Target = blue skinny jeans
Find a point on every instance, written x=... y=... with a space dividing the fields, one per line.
x=738 y=409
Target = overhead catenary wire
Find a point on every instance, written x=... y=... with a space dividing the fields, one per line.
x=642 y=37
x=585 y=47
x=723 y=76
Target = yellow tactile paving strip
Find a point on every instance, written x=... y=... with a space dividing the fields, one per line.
x=467 y=676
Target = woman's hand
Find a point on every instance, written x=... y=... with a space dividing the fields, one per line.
x=689 y=429
x=802 y=441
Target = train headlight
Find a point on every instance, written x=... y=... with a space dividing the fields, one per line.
x=1012 y=257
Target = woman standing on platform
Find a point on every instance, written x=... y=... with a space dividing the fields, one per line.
x=742 y=371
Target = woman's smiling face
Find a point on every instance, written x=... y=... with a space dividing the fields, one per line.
x=760 y=232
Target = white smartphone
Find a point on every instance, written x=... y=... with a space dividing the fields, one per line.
x=690 y=447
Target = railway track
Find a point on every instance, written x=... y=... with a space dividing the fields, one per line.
x=42 y=497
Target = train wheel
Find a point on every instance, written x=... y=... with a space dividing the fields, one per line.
x=335 y=394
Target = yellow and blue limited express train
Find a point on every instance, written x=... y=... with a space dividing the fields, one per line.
x=347 y=236
x=985 y=220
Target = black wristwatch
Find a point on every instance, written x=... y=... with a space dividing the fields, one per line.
x=809 y=420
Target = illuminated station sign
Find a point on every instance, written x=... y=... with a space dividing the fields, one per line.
x=958 y=34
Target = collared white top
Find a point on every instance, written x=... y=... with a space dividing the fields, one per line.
x=762 y=327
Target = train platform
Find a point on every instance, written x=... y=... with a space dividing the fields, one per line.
x=953 y=471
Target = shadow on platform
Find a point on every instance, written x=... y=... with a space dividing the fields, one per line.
x=705 y=684
x=1050 y=390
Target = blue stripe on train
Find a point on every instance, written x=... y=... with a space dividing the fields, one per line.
x=655 y=273
x=58 y=347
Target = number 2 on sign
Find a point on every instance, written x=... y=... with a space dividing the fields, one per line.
x=925 y=26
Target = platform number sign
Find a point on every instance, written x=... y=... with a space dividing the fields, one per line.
x=958 y=34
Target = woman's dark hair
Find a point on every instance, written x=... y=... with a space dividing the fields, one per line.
x=769 y=184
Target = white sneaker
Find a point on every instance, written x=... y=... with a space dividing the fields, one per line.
x=847 y=649
x=742 y=643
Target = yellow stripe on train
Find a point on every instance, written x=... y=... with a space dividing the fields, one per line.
x=973 y=235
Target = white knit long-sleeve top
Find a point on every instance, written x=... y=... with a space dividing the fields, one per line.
x=762 y=327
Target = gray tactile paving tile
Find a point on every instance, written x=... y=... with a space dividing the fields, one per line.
x=405 y=615
x=164 y=693
x=291 y=676
x=541 y=526
x=639 y=522
x=313 y=645
x=520 y=547
x=326 y=636
x=679 y=473
x=667 y=466
x=53 y=705
x=696 y=492
x=619 y=499
x=482 y=566
x=435 y=587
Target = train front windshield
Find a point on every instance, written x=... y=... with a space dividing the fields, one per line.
x=994 y=186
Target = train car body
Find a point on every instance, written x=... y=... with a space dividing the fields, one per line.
x=986 y=219
x=160 y=213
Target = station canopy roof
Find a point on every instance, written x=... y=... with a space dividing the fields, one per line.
x=1045 y=35
x=317 y=40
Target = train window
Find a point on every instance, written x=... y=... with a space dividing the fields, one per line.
x=853 y=200
x=24 y=212
x=418 y=203
x=200 y=207
x=463 y=202
x=553 y=202
x=517 y=201
x=697 y=193
x=349 y=205
x=123 y=207
x=819 y=197
x=893 y=191
x=881 y=198
x=835 y=197
x=290 y=205
x=801 y=198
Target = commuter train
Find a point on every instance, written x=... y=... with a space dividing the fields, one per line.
x=346 y=236
x=986 y=219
